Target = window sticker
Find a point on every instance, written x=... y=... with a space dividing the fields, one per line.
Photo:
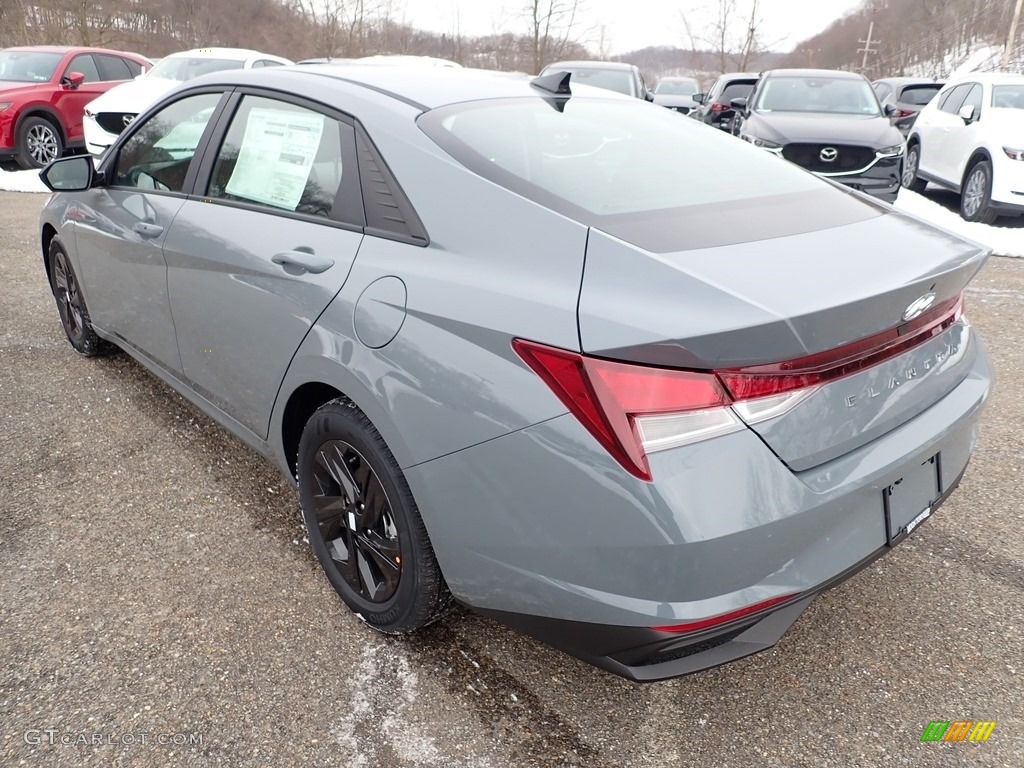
x=276 y=156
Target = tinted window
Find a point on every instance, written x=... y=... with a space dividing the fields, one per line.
x=86 y=66
x=973 y=99
x=596 y=155
x=734 y=91
x=158 y=154
x=28 y=66
x=1008 y=96
x=112 y=68
x=837 y=95
x=952 y=101
x=919 y=95
x=134 y=68
x=282 y=156
x=676 y=87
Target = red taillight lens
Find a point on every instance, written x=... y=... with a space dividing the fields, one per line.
x=723 y=618
x=716 y=107
x=813 y=370
x=903 y=113
x=611 y=400
x=633 y=410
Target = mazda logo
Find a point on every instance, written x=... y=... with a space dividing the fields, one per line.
x=828 y=154
x=919 y=306
x=127 y=120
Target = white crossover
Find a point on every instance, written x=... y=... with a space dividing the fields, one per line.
x=970 y=138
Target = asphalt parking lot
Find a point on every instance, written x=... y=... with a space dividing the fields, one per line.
x=155 y=584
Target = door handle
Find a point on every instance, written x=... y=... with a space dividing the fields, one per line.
x=148 y=230
x=304 y=258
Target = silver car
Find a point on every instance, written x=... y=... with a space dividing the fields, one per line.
x=514 y=357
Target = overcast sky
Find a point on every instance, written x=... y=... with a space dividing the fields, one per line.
x=630 y=24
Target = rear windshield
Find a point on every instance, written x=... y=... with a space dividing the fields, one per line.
x=618 y=80
x=181 y=68
x=735 y=91
x=616 y=164
x=919 y=95
x=1008 y=96
x=843 y=96
x=28 y=66
x=677 y=87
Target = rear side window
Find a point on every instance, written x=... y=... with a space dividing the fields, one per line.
x=735 y=91
x=112 y=67
x=289 y=158
x=134 y=68
x=86 y=66
x=919 y=95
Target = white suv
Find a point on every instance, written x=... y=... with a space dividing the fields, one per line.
x=970 y=138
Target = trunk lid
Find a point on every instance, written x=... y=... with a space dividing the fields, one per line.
x=776 y=300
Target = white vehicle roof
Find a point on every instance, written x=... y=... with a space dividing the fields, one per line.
x=240 y=54
x=988 y=78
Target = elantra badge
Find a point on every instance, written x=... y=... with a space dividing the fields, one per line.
x=828 y=154
x=919 y=306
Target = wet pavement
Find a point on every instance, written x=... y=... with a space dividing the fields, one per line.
x=155 y=585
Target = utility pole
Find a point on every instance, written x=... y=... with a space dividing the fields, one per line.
x=1011 y=39
x=867 y=49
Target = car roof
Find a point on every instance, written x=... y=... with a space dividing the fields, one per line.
x=69 y=49
x=421 y=87
x=907 y=81
x=739 y=76
x=988 y=78
x=835 y=74
x=217 y=53
x=677 y=77
x=618 y=65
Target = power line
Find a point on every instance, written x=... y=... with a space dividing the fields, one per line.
x=867 y=47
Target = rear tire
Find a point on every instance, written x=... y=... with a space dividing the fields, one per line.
x=364 y=525
x=976 y=194
x=909 y=178
x=39 y=143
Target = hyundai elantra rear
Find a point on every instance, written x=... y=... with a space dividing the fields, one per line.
x=613 y=378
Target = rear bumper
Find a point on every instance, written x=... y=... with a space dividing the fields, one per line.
x=647 y=655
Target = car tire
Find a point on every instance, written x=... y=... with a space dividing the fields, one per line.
x=39 y=143
x=909 y=178
x=976 y=194
x=74 y=316
x=364 y=525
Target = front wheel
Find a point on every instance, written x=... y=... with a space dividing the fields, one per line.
x=364 y=525
x=976 y=195
x=39 y=143
x=74 y=316
x=909 y=179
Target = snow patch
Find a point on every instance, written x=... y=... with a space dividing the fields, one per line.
x=1005 y=238
x=21 y=181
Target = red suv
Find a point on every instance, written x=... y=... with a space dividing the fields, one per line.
x=43 y=93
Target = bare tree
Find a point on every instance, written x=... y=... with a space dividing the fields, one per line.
x=732 y=34
x=552 y=29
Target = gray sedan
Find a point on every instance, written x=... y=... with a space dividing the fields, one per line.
x=514 y=357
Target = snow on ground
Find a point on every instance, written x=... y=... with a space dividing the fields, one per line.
x=22 y=181
x=1005 y=237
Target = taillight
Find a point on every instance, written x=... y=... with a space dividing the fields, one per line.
x=716 y=107
x=633 y=410
x=903 y=113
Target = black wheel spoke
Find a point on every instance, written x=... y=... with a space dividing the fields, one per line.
x=353 y=517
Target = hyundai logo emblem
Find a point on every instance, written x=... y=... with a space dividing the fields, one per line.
x=828 y=154
x=919 y=306
x=127 y=120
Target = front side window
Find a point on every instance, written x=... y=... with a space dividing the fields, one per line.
x=157 y=155
x=28 y=66
x=282 y=156
x=973 y=99
x=86 y=66
x=953 y=100
x=839 y=95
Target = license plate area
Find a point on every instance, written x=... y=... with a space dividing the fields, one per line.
x=909 y=501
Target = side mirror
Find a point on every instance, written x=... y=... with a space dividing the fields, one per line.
x=889 y=110
x=740 y=105
x=967 y=113
x=73 y=79
x=698 y=98
x=69 y=174
x=648 y=95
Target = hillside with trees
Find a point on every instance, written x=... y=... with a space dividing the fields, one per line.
x=912 y=37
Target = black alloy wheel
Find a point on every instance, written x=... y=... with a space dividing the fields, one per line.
x=74 y=316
